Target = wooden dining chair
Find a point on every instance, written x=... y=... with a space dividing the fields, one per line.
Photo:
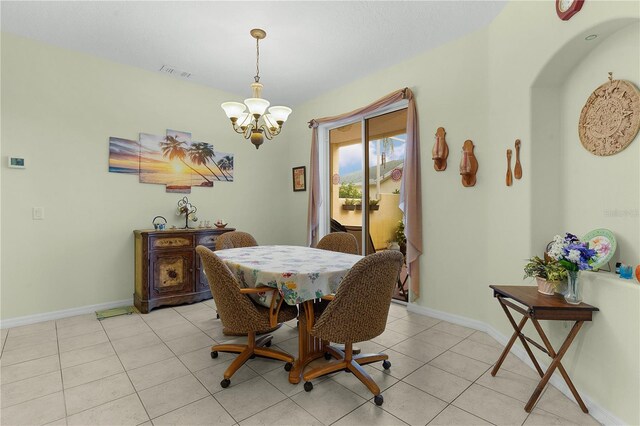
x=235 y=239
x=241 y=315
x=357 y=313
x=342 y=242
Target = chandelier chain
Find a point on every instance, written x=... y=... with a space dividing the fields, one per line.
x=257 y=77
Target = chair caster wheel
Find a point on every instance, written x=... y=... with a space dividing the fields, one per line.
x=308 y=386
x=288 y=366
x=214 y=354
x=378 y=399
x=386 y=364
x=225 y=383
x=267 y=344
x=327 y=356
x=252 y=356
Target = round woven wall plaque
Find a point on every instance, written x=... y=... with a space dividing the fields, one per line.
x=610 y=119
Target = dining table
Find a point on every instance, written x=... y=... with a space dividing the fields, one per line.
x=302 y=275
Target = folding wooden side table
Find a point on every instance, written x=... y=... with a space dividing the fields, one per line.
x=537 y=306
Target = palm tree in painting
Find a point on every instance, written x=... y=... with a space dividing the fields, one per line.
x=173 y=148
x=226 y=163
x=201 y=153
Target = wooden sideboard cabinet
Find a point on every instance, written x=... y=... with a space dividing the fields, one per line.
x=167 y=268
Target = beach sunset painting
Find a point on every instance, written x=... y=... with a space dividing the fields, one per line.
x=172 y=160
x=124 y=156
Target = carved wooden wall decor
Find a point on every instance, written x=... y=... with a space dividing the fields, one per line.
x=440 y=151
x=468 y=164
x=610 y=119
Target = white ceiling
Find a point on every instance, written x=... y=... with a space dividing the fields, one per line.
x=311 y=46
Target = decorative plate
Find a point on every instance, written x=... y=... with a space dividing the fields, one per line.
x=604 y=243
x=396 y=174
x=610 y=119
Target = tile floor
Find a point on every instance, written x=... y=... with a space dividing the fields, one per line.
x=156 y=369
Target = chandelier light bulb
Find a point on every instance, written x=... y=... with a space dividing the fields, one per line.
x=280 y=113
x=233 y=109
x=257 y=106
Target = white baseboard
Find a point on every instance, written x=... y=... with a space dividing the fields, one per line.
x=596 y=411
x=48 y=316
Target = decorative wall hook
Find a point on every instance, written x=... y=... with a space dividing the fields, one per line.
x=468 y=164
x=440 y=151
x=517 y=170
x=509 y=175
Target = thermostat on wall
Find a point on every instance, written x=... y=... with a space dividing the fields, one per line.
x=16 y=162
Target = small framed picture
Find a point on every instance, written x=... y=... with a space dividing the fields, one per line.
x=299 y=178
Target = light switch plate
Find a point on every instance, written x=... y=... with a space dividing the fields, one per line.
x=16 y=162
x=38 y=213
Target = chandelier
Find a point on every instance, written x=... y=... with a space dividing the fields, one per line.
x=255 y=124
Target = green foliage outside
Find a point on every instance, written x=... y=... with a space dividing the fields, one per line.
x=349 y=190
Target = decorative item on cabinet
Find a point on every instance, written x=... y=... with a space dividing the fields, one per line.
x=468 y=164
x=509 y=175
x=610 y=119
x=517 y=170
x=159 y=226
x=188 y=210
x=167 y=269
x=440 y=151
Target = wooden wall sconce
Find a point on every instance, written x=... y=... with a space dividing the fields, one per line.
x=468 y=164
x=440 y=151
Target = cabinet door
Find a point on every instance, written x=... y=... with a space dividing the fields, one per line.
x=171 y=273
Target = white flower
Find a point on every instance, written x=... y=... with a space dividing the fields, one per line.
x=574 y=256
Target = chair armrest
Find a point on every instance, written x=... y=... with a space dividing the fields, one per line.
x=274 y=308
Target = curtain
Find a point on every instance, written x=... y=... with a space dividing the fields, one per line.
x=410 y=189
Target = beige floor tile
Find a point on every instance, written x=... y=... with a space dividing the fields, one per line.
x=194 y=307
x=168 y=396
x=30 y=329
x=203 y=314
x=71 y=321
x=90 y=371
x=59 y=422
x=204 y=412
x=280 y=379
x=79 y=329
x=351 y=382
x=156 y=373
x=34 y=387
x=177 y=331
x=82 y=341
x=26 y=340
x=121 y=321
x=264 y=365
x=411 y=405
x=25 y=370
x=397 y=311
x=328 y=401
x=369 y=414
x=421 y=319
x=515 y=365
x=418 y=349
x=164 y=318
x=284 y=333
x=389 y=338
x=190 y=343
x=37 y=411
x=290 y=346
x=456 y=330
x=261 y=393
x=492 y=406
x=30 y=353
x=88 y=354
x=124 y=411
x=438 y=338
x=555 y=402
x=134 y=329
x=453 y=416
x=370 y=347
x=542 y=418
x=285 y=412
x=96 y=393
x=401 y=364
x=482 y=337
x=208 y=324
x=212 y=376
x=201 y=359
x=144 y=356
x=510 y=384
x=460 y=365
x=437 y=382
x=479 y=351
x=138 y=341
x=405 y=327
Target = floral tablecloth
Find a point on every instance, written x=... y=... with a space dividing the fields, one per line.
x=299 y=273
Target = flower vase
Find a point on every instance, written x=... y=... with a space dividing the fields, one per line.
x=574 y=288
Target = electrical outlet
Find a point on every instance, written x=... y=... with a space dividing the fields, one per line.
x=38 y=213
